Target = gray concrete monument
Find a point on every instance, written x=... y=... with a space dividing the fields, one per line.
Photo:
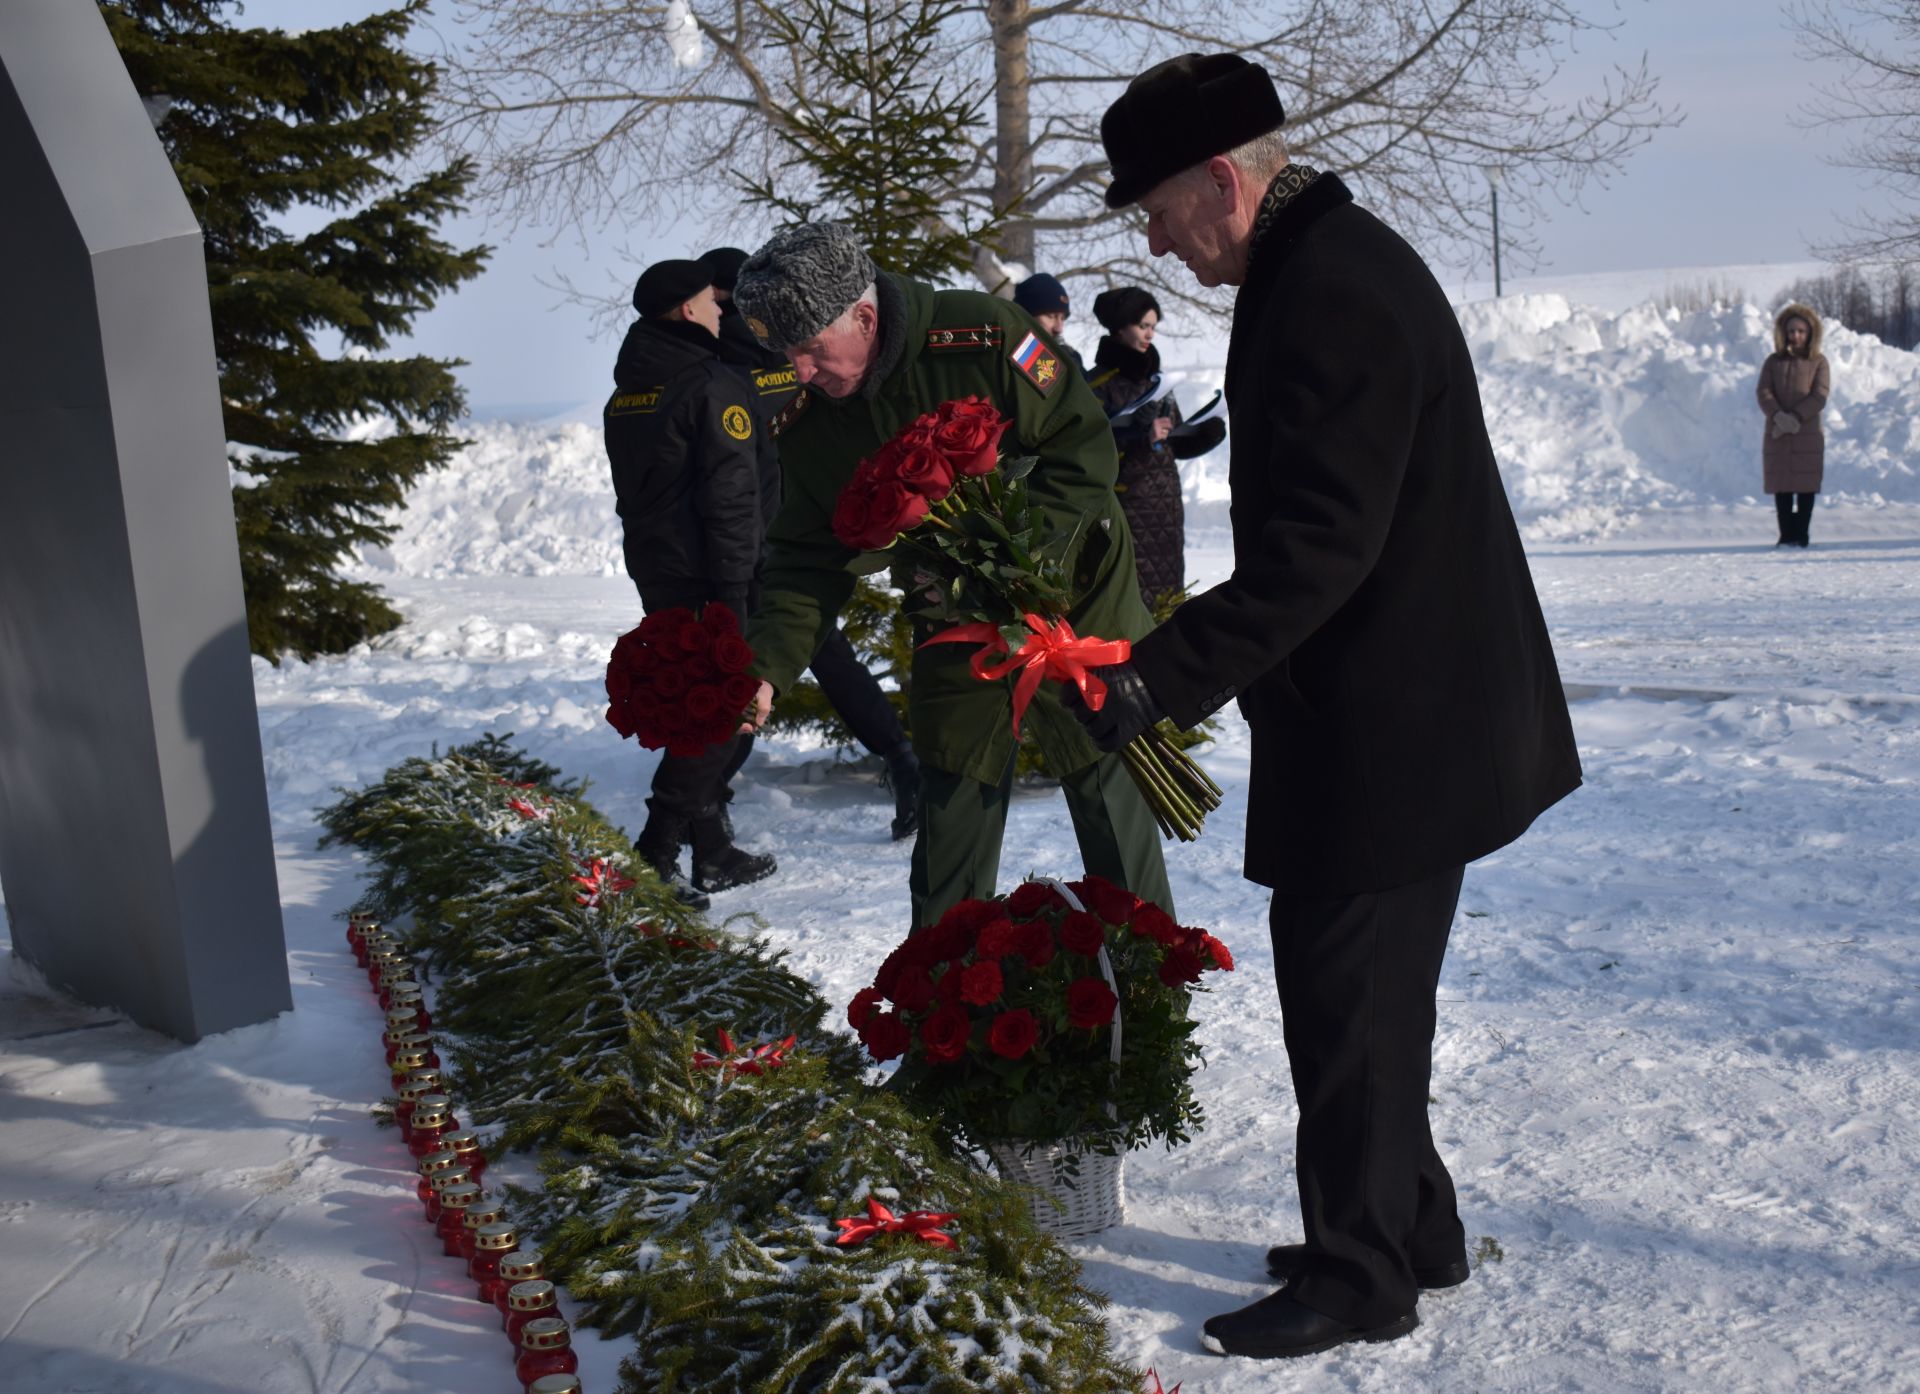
x=135 y=848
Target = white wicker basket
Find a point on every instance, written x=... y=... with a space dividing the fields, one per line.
x=1066 y=1205
x=1058 y=1205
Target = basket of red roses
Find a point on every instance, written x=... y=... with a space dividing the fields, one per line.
x=1049 y=1029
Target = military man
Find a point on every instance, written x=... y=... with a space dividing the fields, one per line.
x=873 y=351
x=693 y=502
x=844 y=680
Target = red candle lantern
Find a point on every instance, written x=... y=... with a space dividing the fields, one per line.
x=379 y=960
x=431 y=1166
x=485 y=1211
x=555 y=1384
x=546 y=1348
x=405 y=1062
x=520 y=1266
x=525 y=1302
x=403 y=1040
x=427 y=1125
x=491 y=1243
x=454 y=1201
x=467 y=1145
x=412 y=1089
x=407 y=995
x=455 y=1175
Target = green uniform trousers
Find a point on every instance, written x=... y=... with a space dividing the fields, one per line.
x=962 y=821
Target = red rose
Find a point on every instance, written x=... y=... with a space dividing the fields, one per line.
x=865 y=1003
x=720 y=619
x=700 y=668
x=1031 y=897
x=1107 y=900
x=973 y=915
x=670 y=683
x=913 y=988
x=969 y=435
x=1156 y=924
x=886 y=1036
x=923 y=469
x=1035 y=942
x=981 y=984
x=1082 y=933
x=704 y=703
x=739 y=689
x=892 y=508
x=850 y=514
x=1090 y=1003
x=997 y=940
x=658 y=625
x=730 y=652
x=1222 y=956
x=945 y=1034
x=693 y=637
x=888 y=974
x=1180 y=967
x=1013 y=1033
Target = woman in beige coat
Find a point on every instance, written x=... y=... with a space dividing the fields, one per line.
x=1793 y=388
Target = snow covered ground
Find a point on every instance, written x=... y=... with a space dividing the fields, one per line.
x=1678 y=1066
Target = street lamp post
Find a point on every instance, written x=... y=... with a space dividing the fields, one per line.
x=1494 y=175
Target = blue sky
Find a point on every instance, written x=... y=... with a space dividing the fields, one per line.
x=1737 y=182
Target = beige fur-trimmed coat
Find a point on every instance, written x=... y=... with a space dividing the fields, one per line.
x=1793 y=462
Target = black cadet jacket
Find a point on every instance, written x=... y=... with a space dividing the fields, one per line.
x=1380 y=627
x=683 y=439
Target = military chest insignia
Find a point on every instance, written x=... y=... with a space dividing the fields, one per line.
x=736 y=423
x=635 y=403
x=965 y=337
x=1036 y=363
x=788 y=414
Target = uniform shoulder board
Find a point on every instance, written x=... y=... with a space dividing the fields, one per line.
x=964 y=337
x=788 y=414
x=643 y=403
x=1037 y=364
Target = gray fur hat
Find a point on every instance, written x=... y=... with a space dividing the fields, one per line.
x=801 y=281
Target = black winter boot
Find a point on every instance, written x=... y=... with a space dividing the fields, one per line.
x=659 y=845
x=717 y=864
x=903 y=777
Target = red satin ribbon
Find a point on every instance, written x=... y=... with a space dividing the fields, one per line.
x=756 y=1061
x=921 y=1224
x=601 y=879
x=1052 y=650
x=1154 y=1375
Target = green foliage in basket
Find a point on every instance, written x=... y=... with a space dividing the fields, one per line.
x=1005 y=1021
x=691 y=1182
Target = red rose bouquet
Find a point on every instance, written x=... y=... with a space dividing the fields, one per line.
x=1004 y=1016
x=940 y=497
x=681 y=681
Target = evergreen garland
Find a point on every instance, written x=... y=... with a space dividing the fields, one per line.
x=685 y=1201
x=260 y=124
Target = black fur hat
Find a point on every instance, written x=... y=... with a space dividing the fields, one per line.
x=1183 y=111
x=666 y=284
x=1123 y=305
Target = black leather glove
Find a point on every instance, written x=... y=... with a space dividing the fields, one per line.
x=1128 y=710
x=1197 y=439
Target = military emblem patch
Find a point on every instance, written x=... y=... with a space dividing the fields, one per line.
x=1037 y=363
x=736 y=423
x=788 y=414
x=758 y=327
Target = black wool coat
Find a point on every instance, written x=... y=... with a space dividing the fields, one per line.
x=683 y=440
x=1380 y=627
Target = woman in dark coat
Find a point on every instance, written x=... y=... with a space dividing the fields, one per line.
x=1126 y=368
x=1793 y=388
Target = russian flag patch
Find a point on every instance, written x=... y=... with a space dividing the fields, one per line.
x=1036 y=363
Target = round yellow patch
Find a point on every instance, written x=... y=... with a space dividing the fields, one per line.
x=758 y=327
x=736 y=423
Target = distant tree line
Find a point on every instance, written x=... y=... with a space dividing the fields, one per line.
x=1883 y=301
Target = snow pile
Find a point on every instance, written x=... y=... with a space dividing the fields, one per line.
x=1597 y=419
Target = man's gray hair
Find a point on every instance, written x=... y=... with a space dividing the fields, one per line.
x=1262 y=157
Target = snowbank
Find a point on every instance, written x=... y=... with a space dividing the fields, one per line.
x=1597 y=419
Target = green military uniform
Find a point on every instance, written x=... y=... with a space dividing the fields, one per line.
x=955 y=344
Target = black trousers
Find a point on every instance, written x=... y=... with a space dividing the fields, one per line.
x=1357 y=977
x=694 y=784
x=855 y=693
x=1795 y=512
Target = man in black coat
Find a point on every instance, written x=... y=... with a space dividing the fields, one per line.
x=847 y=683
x=682 y=438
x=1381 y=632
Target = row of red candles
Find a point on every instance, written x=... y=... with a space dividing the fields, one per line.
x=471 y=1225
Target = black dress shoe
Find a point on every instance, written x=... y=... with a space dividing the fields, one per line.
x=1286 y=1261
x=1277 y=1327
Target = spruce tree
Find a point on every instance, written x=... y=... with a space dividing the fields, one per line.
x=260 y=125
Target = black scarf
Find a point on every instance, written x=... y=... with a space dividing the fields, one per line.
x=1140 y=364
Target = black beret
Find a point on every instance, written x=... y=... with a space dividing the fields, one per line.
x=1183 y=111
x=724 y=263
x=1041 y=294
x=668 y=283
x=1123 y=305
